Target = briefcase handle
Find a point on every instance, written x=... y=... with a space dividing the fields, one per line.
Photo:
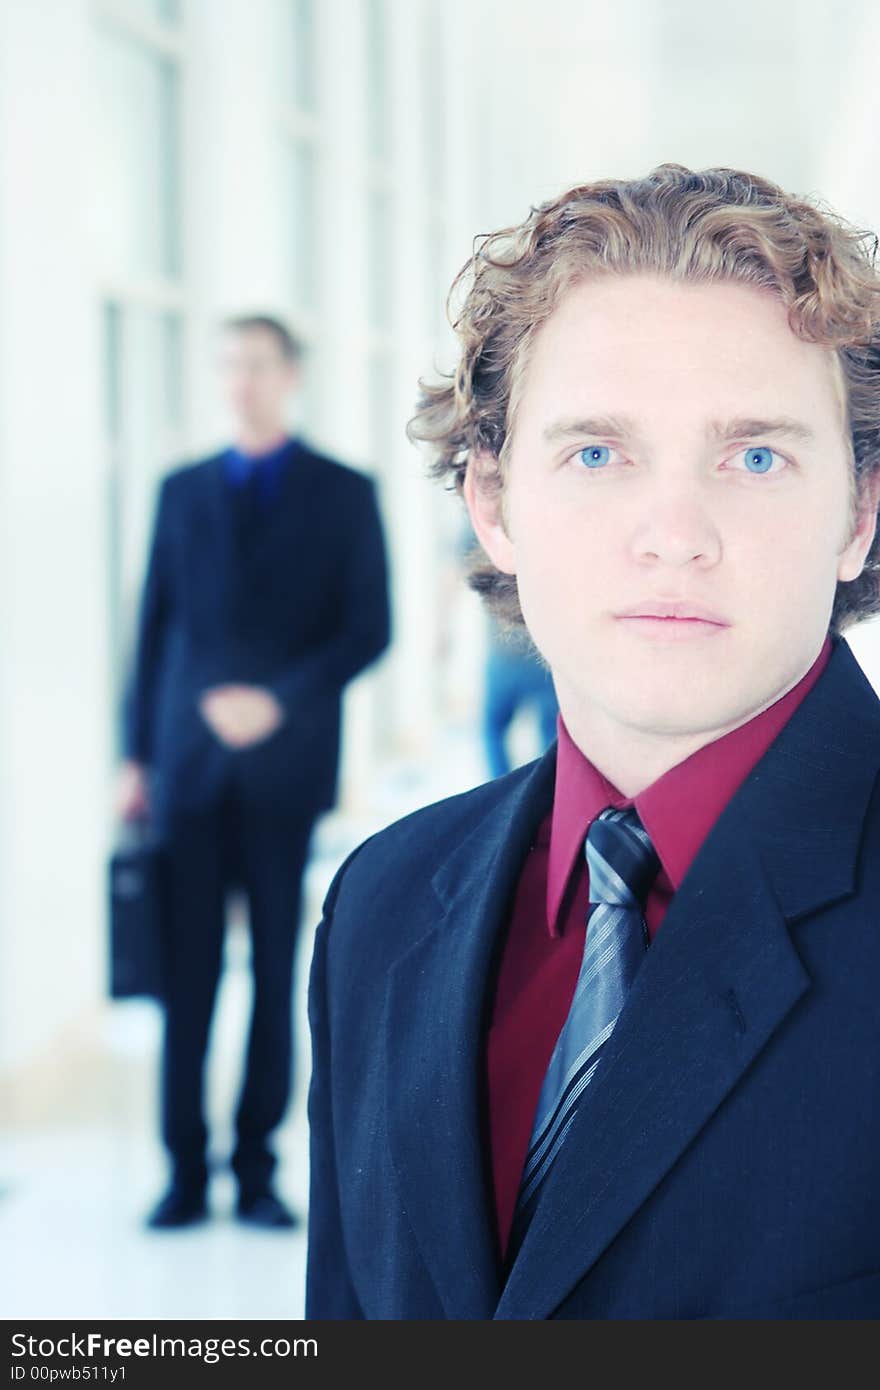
x=141 y=833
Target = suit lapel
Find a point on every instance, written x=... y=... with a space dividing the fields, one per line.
x=219 y=517
x=715 y=985
x=284 y=517
x=720 y=979
x=285 y=520
x=434 y=1032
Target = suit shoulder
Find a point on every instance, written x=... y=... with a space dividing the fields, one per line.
x=418 y=843
x=339 y=473
x=189 y=471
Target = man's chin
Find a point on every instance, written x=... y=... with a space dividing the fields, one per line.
x=677 y=710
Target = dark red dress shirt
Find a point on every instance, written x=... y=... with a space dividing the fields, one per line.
x=542 y=953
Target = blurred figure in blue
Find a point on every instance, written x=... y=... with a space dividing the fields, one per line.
x=266 y=592
x=516 y=678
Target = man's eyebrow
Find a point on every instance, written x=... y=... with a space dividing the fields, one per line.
x=743 y=427
x=593 y=424
x=749 y=427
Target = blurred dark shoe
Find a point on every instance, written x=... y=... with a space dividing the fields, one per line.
x=178 y=1207
x=267 y=1210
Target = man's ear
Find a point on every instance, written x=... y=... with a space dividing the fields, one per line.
x=852 y=557
x=483 y=496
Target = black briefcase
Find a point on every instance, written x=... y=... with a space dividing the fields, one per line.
x=138 y=914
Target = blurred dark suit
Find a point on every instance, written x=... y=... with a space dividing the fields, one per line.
x=282 y=586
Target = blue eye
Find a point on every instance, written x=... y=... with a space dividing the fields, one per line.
x=759 y=460
x=596 y=456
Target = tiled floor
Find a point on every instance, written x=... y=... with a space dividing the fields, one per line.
x=81 y=1162
x=77 y=1190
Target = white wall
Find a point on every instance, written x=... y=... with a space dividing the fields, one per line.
x=576 y=90
x=54 y=676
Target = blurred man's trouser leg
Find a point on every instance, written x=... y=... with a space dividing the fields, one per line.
x=274 y=852
x=208 y=851
x=197 y=844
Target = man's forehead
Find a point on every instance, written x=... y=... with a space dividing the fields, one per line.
x=645 y=324
x=722 y=378
x=250 y=342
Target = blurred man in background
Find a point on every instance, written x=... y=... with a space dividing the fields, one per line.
x=266 y=591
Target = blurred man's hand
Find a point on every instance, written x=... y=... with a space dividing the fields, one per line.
x=241 y=715
x=132 y=799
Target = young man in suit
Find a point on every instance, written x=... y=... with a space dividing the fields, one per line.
x=266 y=592
x=600 y=1039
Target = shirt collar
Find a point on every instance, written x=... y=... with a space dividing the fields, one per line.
x=678 y=809
x=240 y=465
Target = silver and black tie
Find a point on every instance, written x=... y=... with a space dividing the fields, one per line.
x=622 y=864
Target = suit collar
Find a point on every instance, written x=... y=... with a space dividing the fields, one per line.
x=804 y=804
x=718 y=982
x=435 y=1016
x=284 y=523
x=504 y=833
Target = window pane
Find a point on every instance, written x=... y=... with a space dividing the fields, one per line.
x=433 y=89
x=378 y=83
x=306 y=416
x=142 y=382
x=437 y=281
x=112 y=372
x=136 y=219
x=379 y=384
x=166 y=10
x=304 y=52
x=120 y=640
x=151 y=393
x=302 y=222
x=379 y=241
x=172 y=351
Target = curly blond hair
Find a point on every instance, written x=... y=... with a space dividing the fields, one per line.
x=715 y=225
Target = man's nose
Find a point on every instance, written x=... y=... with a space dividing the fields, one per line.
x=675 y=527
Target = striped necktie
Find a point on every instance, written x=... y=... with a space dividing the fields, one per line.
x=622 y=864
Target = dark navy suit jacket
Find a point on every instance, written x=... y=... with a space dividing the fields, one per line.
x=304 y=611
x=725 y=1161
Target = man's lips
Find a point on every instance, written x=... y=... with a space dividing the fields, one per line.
x=674 y=611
